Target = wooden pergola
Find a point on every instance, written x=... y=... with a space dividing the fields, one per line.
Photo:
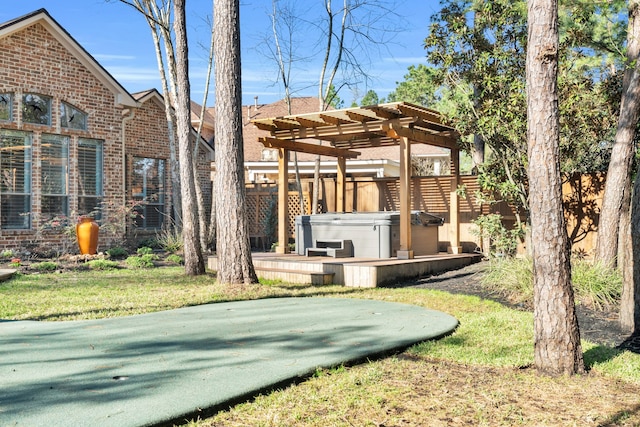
x=350 y=129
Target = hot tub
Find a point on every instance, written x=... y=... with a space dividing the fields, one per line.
x=373 y=234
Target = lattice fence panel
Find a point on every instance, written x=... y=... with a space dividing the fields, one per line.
x=294 y=208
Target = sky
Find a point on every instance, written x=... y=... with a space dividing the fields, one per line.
x=119 y=39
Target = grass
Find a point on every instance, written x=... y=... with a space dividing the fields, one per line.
x=480 y=375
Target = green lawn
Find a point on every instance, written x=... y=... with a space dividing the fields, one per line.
x=489 y=356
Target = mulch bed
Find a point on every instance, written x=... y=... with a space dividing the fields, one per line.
x=600 y=327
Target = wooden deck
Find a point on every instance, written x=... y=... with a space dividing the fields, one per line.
x=355 y=272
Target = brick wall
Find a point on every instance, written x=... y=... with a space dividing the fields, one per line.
x=33 y=61
x=147 y=136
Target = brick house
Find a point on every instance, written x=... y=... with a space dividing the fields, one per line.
x=74 y=142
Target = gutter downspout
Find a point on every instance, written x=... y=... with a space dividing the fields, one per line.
x=125 y=119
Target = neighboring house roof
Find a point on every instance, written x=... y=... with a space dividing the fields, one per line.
x=42 y=17
x=196 y=113
x=253 y=148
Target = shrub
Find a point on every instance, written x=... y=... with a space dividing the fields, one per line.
x=176 y=259
x=144 y=250
x=149 y=242
x=142 y=261
x=170 y=240
x=511 y=277
x=46 y=266
x=595 y=285
x=102 y=264
x=7 y=253
x=117 y=252
x=503 y=242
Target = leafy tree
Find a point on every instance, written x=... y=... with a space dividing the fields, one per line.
x=332 y=98
x=557 y=348
x=420 y=86
x=478 y=51
x=370 y=98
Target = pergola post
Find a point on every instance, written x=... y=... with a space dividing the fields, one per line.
x=283 y=201
x=341 y=185
x=405 y=251
x=454 y=204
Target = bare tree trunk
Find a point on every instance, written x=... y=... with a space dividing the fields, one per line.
x=557 y=348
x=202 y=217
x=285 y=73
x=193 y=260
x=235 y=265
x=630 y=300
x=627 y=265
x=159 y=21
x=623 y=147
x=477 y=154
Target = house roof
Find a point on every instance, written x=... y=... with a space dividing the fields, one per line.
x=42 y=17
x=252 y=147
x=197 y=115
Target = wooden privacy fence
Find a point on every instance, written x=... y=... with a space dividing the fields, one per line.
x=429 y=194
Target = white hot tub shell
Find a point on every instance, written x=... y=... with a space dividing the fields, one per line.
x=373 y=234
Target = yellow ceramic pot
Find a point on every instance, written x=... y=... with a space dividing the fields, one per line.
x=87 y=234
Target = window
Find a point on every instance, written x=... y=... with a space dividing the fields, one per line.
x=15 y=175
x=90 y=172
x=54 y=172
x=36 y=109
x=6 y=104
x=148 y=186
x=269 y=155
x=71 y=117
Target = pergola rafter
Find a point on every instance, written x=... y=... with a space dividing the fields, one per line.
x=392 y=124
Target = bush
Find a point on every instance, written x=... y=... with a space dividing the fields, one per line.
x=7 y=253
x=46 y=266
x=170 y=240
x=594 y=285
x=117 y=252
x=102 y=264
x=149 y=242
x=142 y=261
x=144 y=250
x=511 y=277
x=503 y=242
x=176 y=259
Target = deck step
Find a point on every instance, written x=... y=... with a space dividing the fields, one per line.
x=295 y=276
x=331 y=248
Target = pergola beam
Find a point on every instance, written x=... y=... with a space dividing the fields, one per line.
x=305 y=147
x=351 y=131
x=424 y=137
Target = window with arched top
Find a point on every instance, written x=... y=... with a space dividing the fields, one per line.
x=71 y=117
